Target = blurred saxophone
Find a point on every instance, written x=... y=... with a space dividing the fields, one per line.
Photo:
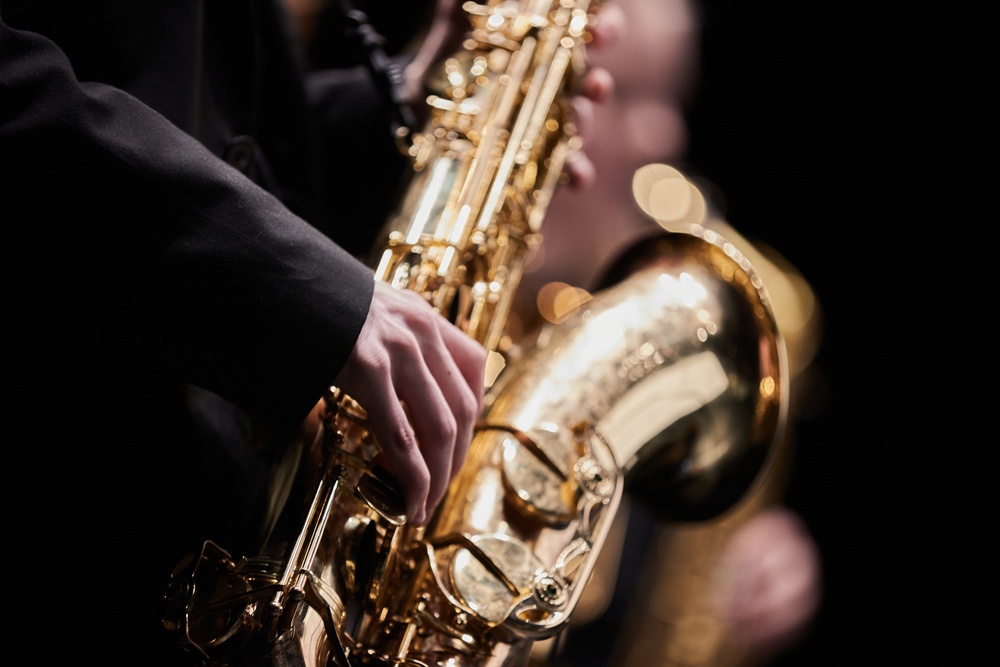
x=668 y=614
x=671 y=381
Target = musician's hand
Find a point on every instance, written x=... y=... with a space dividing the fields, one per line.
x=408 y=354
x=771 y=583
x=449 y=26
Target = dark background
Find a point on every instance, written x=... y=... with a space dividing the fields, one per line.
x=819 y=123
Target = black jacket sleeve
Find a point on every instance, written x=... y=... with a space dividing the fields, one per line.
x=136 y=245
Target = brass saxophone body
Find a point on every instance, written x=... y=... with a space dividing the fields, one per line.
x=669 y=381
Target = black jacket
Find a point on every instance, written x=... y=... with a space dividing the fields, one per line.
x=158 y=163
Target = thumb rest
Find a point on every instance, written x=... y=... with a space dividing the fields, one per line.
x=669 y=380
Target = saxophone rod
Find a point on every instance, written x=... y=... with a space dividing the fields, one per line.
x=319 y=513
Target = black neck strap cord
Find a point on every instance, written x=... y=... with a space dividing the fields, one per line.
x=386 y=73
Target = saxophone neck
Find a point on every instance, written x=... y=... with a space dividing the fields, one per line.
x=498 y=133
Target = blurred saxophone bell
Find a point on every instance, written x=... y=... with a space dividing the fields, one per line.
x=666 y=195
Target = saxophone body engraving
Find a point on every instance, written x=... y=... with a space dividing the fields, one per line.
x=669 y=382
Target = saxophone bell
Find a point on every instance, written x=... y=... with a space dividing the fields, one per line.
x=711 y=428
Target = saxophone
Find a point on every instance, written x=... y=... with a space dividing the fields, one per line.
x=670 y=380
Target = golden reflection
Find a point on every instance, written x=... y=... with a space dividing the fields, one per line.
x=666 y=195
x=421 y=217
x=495 y=362
x=667 y=397
x=480 y=507
x=557 y=301
x=687 y=290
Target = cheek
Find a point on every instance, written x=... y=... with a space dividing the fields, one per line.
x=630 y=134
x=654 y=132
